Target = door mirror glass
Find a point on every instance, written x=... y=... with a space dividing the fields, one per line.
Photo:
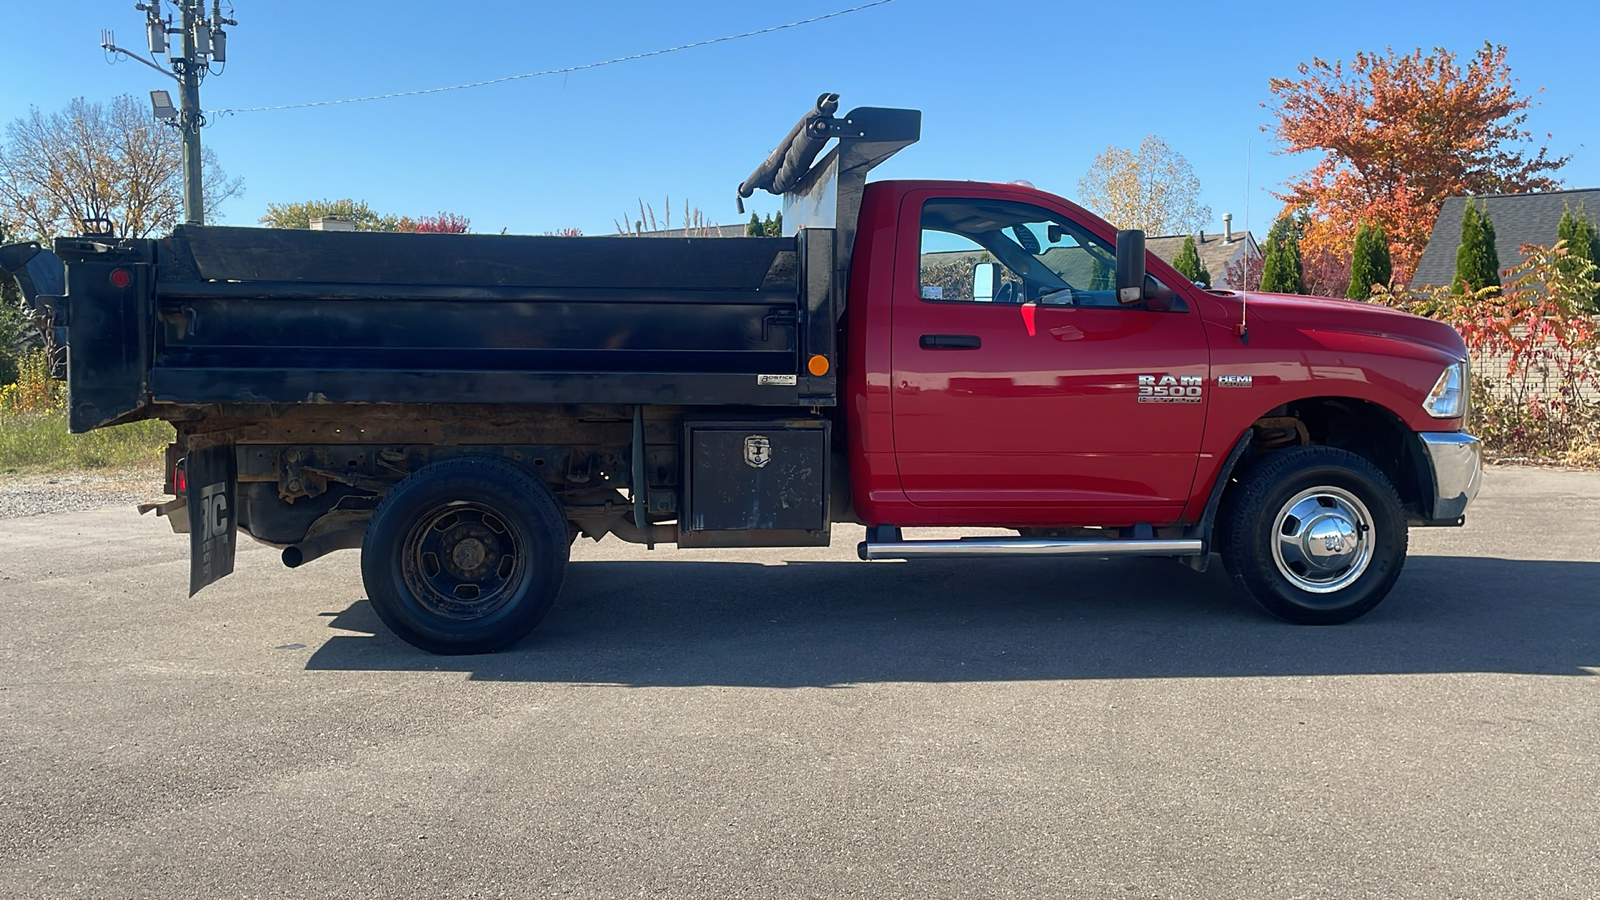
x=985 y=282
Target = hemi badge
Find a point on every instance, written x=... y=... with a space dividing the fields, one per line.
x=1233 y=381
x=778 y=379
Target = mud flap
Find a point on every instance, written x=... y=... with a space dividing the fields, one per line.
x=211 y=485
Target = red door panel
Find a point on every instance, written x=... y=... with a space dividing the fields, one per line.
x=1045 y=412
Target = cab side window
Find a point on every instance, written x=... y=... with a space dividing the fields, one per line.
x=978 y=250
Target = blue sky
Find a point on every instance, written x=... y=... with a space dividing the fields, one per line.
x=1009 y=90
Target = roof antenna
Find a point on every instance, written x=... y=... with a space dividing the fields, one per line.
x=1244 y=296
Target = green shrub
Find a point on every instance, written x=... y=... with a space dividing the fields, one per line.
x=1477 y=261
x=1536 y=352
x=39 y=442
x=1282 y=269
x=1369 y=261
x=1188 y=263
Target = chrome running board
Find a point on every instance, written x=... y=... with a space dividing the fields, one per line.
x=1002 y=546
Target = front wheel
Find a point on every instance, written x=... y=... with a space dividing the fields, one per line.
x=465 y=556
x=1315 y=535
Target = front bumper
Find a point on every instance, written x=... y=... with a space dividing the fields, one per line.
x=1455 y=460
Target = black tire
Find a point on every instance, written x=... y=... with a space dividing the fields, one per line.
x=465 y=556
x=1315 y=535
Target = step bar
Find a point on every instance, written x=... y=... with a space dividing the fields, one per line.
x=1010 y=546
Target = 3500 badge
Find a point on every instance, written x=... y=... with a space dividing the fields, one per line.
x=1171 y=388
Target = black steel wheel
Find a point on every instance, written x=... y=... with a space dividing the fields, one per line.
x=465 y=556
x=1315 y=535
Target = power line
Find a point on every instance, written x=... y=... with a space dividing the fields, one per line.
x=561 y=71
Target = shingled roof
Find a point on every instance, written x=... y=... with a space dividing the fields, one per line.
x=1518 y=219
x=1215 y=252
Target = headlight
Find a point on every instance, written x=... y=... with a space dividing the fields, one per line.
x=1448 y=399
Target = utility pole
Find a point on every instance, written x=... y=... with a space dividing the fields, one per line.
x=201 y=43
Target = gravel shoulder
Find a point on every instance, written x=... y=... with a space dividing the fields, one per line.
x=37 y=495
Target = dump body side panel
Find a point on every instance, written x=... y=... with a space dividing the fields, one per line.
x=260 y=316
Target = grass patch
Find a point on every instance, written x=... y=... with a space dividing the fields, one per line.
x=39 y=442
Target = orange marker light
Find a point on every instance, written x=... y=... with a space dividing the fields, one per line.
x=818 y=365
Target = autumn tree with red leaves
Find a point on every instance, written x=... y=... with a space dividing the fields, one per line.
x=1398 y=133
x=443 y=223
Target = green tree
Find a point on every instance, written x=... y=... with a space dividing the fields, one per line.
x=1369 y=261
x=1282 y=270
x=299 y=215
x=1477 y=263
x=13 y=332
x=10 y=292
x=1188 y=263
x=1583 y=244
x=17 y=333
x=755 y=228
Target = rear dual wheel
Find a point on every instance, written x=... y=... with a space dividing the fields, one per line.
x=465 y=556
x=1315 y=535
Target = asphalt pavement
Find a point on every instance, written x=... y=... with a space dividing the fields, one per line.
x=795 y=723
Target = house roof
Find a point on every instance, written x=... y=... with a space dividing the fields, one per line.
x=1215 y=253
x=1518 y=219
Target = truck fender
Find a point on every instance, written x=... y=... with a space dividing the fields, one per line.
x=1203 y=528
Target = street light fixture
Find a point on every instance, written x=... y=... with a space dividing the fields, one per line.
x=161 y=105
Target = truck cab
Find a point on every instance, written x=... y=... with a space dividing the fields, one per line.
x=1012 y=384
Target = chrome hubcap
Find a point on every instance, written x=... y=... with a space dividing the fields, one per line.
x=1322 y=540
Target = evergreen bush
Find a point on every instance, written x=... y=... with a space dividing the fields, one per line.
x=1282 y=271
x=1477 y=263
x=1188 y=264
x=1369 y=261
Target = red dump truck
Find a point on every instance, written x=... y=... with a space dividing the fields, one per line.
x=913 y=353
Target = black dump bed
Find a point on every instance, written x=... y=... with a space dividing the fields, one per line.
x=210 y=320
x=251 y=316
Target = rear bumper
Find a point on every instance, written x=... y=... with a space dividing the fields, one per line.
x=1455 y=460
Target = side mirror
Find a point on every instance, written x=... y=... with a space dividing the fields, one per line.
x=985 y=281
x=1130 y=266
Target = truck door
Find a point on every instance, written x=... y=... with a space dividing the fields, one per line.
x=1021 y=386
